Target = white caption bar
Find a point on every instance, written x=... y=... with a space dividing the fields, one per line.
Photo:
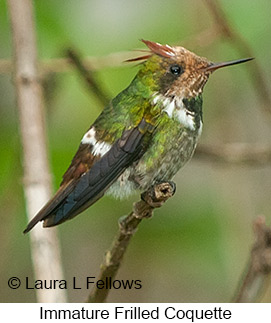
x=175 y=312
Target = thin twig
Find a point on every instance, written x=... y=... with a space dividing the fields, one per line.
x=62 y=65
x=95 y=63
x=37 y=180
x=151 y=199
x=259 y=268
x=257 y=74
x=235 y=153
x=88 y=77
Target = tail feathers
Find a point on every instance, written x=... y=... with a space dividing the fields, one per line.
x=43 y=215
x=51 y=206
x=64 y=207
x=66 y=212
x=68 y=200
x=31 y=224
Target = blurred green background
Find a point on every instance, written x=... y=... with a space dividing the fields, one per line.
x=196 y=246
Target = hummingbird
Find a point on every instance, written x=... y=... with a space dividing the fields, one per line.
x=143 y=136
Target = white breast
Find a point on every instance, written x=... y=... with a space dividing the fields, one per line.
x=175 y=108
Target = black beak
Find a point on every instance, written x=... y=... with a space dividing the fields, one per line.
x=215 y=66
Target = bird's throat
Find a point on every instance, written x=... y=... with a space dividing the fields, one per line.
x=188 y=112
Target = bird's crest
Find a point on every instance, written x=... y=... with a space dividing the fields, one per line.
x=155 y=48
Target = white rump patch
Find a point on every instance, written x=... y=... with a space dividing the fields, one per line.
x=99 y=147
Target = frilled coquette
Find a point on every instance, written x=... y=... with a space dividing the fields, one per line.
x=144 y=136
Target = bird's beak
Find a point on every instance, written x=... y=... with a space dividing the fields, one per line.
x=214 y=66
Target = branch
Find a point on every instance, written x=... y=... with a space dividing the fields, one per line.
x=95 y=63
x=259 y=268
x=61 y=65
x=153 y=198
x=37 y=180
x=235 y=153
x=224 y=27
x=88 y=76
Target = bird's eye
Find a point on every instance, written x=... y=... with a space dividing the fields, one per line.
x=176 y=70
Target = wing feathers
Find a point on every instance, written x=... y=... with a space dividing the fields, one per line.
x=91 y=186
x=103 y=173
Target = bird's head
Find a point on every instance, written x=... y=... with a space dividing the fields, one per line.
x=175 y=72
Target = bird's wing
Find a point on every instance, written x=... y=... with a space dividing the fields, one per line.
x=78 y=194
x=81 y=163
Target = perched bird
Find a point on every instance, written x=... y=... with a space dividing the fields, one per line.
x=144 y=135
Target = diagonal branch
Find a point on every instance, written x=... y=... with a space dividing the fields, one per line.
x=259 y=268
x=224 y=27
x=88 y=77
x=153 y=198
